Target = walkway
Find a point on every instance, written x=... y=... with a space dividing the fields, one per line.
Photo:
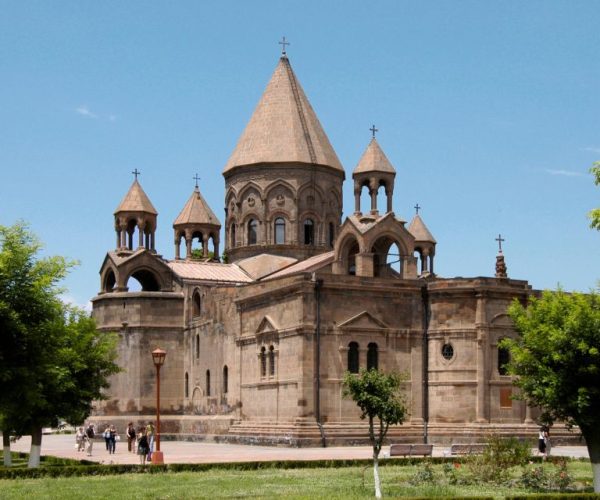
x=63 y=445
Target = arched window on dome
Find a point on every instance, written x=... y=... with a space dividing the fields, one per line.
x=372 y=356
x=331 y=234
x=252 y=232
x=353 y=357
x=186 y=388
x=225 y=379
x=279 y=231
x=309 y=232
x=208 y=382
x=232 y=235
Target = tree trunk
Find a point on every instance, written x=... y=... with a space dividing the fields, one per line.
x=36 y=448
x=6 y=448
x=376 y=475
x=592 y=439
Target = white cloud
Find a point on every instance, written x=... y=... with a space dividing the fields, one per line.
x=68 y=299
x=112 y=118
x=83 y=110
x=566 y=173
x=591 y=149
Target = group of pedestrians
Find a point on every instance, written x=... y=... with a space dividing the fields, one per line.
x=84 y=439
x=140 y=442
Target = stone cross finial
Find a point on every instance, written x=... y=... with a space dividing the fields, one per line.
x=417 y=208
x=373 y=130
x=196 y=178
x=136 y=172
x=500 y=239
x=283 y=43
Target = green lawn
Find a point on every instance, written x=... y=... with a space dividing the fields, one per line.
x=330 y=483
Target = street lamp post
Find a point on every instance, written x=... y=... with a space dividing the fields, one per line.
x=158 y=356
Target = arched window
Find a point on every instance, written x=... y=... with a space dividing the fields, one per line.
x=271 y=361
x=208 y=382
x=372 y=361
x=503 y=360
x=279 y=231
x=263 y=362
x=232 y=234
x=109 y=281
x=353 y=357
x=309 y=232
x=186 y=388
x=225 y=379
x=331 y=234
x=197 y=346
x=252 y=232
x=196 y=304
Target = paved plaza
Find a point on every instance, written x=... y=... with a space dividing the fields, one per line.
x=63 y=445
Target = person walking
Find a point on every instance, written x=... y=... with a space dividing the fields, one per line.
x=90 y=434
x=131 y=438
x=80 y=439
x=542 y=441
x=112 y=437
x=106 y=436
x=150 y=436
x=143 y=448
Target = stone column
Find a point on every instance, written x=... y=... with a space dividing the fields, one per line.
x=188 y=247
x=356 y=201
x=216 y=247
x=364 y=264
x=424 y=260
x=177 y=240
x=205 y=245
x=373 y=195
x=482 y=361
x=141 y=225
x=388 y=194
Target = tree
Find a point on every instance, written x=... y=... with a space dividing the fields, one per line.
x=378 y=396
x=53 y=362
x=594 y=214
x=556 y=360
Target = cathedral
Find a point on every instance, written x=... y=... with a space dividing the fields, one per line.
x=259 y=337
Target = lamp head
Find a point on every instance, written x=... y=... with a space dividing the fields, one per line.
x=158 y=356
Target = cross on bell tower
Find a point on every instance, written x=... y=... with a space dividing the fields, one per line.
x=283 y=43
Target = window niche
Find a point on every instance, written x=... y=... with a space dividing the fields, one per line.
x=353 y=364
x=372 y=356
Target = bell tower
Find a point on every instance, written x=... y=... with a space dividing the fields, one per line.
x=135 y=214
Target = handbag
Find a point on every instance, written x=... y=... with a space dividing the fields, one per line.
x=117 y=438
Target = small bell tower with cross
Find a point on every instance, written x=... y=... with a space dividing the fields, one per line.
x=500 y=264
x=135 y=214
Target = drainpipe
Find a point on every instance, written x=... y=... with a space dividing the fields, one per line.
x=426 y=314
x=318 y=285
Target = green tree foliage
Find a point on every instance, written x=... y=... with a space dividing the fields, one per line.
x=379 y=398
x=53 y=361
x=556 y=360
x=594 y=214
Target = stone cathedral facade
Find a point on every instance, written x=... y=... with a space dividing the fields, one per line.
x=258 y=342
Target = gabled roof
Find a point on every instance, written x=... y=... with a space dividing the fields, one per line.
x=136 y=200
x=264 y=264
x=209 y=271
x=196 y=211
x=419 y=230
x=374 y=160
x=284 y=127
x=305 y=266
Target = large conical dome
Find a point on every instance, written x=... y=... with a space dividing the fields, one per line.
x=284 y=128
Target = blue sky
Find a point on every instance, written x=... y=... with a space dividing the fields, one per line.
x=488 y=111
